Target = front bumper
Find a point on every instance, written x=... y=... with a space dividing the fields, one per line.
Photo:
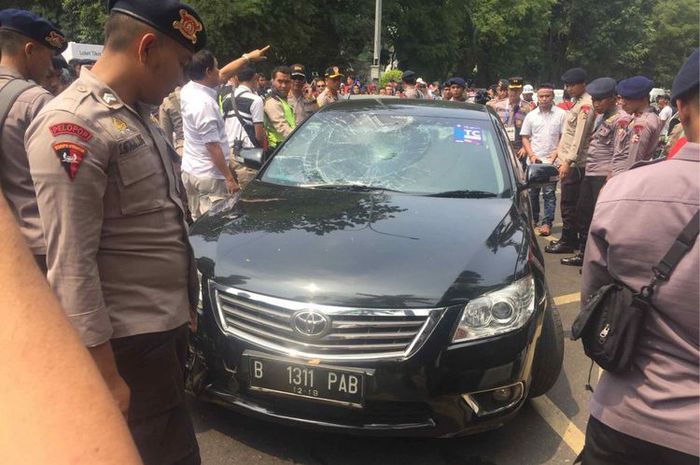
x=422 y=395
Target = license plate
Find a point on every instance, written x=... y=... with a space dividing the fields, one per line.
x=342 y=386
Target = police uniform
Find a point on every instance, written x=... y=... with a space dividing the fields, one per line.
x=598 y=163
x=303 y=107
x=15 y=180
x=170 y=118
x=513 y=115
x=572 y=150
x=327 y=97
x=459 y=82
x=410 y=91
x=637 y=135
x=119 y=258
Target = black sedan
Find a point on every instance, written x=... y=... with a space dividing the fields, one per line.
x=380 y=275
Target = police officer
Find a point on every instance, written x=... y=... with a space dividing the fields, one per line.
x=118 y=254
x=457 y=86
x=299 y=96
x=279 y=114
x=512 y=112
x=409 y=85
x=170 y=118
x=598 y=160
x=27 y=45
x=571 y=155
x=330 y=94
x=638 y=135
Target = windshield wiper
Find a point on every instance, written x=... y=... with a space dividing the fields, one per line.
x=348 y=187
x=465 y=194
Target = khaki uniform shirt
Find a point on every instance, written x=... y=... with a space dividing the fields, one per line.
x=303 y=108
x=15 y=180
x=118 y=255
x=512 y=117
x=638 y=216
x=326 y=98
x=578 y=128
x=170 y=118
x=637 y=139
x=600 y=149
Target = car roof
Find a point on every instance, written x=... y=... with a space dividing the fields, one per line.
x=413 y=107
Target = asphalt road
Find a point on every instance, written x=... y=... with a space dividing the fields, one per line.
x=548 y=430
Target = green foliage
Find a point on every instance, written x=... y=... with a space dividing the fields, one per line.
x=476 y=39
x=394 y=74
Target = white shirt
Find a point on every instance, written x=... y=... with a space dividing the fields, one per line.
x=252 y=110
x=202 y=124
x=544 y=130
x=665 y=115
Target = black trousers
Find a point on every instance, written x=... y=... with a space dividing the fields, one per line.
x=570 y=189
x=590 y=189
x=153 y=366
x=606 y=446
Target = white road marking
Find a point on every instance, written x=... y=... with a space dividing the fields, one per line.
x=568 y=299
x=573 y=437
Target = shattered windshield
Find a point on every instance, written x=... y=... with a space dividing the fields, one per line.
x=395 y=152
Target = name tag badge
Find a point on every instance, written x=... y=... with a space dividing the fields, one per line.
x=510 y=130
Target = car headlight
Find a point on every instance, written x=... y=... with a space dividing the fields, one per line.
x=497 y=312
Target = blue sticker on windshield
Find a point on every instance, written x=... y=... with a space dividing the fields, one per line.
x=468 y=134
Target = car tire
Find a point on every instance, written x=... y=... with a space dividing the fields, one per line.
x=549 y=354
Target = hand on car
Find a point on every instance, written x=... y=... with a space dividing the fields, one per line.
x=232 y=186
x=522 y=152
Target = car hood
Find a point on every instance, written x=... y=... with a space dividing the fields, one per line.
x=373 y=250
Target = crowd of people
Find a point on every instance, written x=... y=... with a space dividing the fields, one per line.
x=102 y=188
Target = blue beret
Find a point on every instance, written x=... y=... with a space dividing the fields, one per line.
x=458 y=81
x=688 y=77
x=408 y=75
x=35 y=27
x=574 y=76
x=635 y=88
x=601 y=88
x=177 y=20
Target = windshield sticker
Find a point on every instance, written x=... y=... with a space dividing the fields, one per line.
x=468 y=134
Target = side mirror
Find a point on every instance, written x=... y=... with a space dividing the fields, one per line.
x=252 y=157
x=540 y=174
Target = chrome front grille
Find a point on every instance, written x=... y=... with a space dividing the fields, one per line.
x=350 y=333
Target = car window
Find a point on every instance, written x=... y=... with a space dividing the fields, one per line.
x=412 y=154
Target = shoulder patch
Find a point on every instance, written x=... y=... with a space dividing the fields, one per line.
x=623 y=123
x=70 y=155
x=72 y=129
x=585 y=108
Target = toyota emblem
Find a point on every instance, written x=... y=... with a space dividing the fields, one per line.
x=310 y=323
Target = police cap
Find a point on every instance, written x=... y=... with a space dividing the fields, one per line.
x=515 y=83
x=458 y=81
x=574 y=76
x=298 y=71
x=687 y=78
x=334 y=72
x=177 y=20
x=408 y=76
x=601 y=88
x=34 y=27
x=635 y=88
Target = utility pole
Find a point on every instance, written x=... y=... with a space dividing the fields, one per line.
x=375 y=68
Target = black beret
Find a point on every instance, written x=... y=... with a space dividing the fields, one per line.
x=574 y=76
x=601 y=88
x=635 y=88
x=688 y=77
x=35 y=27
x=177 y=20
x=408 y=75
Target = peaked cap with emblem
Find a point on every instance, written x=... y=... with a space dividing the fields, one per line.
x=334 y=72
x=177 y=20
x=33 y=26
